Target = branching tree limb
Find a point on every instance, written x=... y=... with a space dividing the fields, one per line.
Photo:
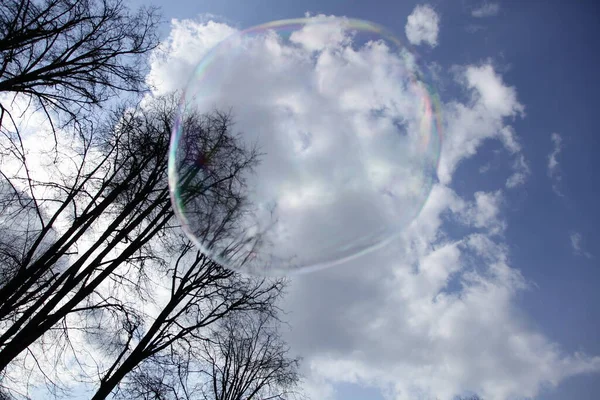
x=67 y=55
x=116 y=200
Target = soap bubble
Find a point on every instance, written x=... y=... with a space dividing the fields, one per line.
x=303 y=143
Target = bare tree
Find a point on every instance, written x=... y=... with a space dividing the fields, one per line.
x=200 y=294
x=68 y=55
x=82 y=242
x=115 y=198
x=241 y=356
x=63 y=56
x=81 y=198
x=247 y=359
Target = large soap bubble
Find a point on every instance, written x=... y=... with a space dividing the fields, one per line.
x=303 y=143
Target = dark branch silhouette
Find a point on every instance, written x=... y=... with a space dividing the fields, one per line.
x=88 y=237
x=67 y=55
x=247 y=359
x=242 y=356
x=115 y=198
x=201 y=294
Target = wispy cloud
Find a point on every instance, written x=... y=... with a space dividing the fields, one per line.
x=474 y=28
x=554 y=171
x=552 y=158
x=520 y=172
x=576 y=243
x=486 y=10
x=422 y=26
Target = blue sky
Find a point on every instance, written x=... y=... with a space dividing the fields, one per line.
x=547 y=52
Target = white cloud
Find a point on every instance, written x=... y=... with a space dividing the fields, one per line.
x=339 y=127
x=434 y=313
x=520 y=172
x=320 y=36
x=176 y=57
x=498 y=100
x=576 y=243
x=485 y=212
x=554 y=171
x=520 y=167
x=552 y=158
x=422 y=26
x=469 y=125
x=395 y=322
x=486 y=10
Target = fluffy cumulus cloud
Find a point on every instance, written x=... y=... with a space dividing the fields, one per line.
x=432 y=314
x=176 y=58
x=422 y=26
x=432 y=317
x=486 y=10
x=338 y=127
x=483 y=117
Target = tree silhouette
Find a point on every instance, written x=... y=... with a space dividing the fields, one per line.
x=67 y=55
x=95 y=271
x=182 y=364
x=247 y=359
x=97 y=229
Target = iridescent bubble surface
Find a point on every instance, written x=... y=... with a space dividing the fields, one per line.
x=318 y=141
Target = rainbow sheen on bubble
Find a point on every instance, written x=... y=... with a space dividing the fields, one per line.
x=346 y=130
